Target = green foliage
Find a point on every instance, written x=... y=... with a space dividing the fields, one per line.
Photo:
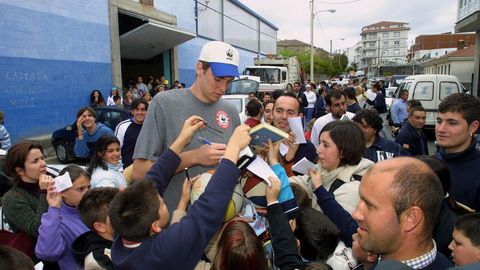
x=323 y=64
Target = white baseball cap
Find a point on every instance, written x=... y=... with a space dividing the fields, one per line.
x=222 y=57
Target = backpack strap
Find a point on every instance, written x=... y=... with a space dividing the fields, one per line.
x=335 y=185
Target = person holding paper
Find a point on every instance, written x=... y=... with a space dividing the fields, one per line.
x=62 y=224
x=287 y=106
x=342 y=145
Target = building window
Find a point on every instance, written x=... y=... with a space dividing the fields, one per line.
x=385 y=44
x=396 y=52
x=396 y=34
x=448 y=69
x=396 y=42
x=385 y=35
x=372 y=44
x=384 y=52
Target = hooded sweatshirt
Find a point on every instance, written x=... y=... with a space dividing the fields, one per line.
x=92 y=251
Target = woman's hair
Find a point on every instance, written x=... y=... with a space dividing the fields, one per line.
x=349 y=139
x=440 y=168
x=82 y=110
x=100 y=147
x=17 y=155
x=75 y=172
x=239 y=248
x=100 y=97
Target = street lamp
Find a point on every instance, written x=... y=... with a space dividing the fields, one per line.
x=312 y=15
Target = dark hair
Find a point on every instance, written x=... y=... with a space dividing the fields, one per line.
x=17 y=155
x=87 y=108
x=75 y=172
x=403 y=91
x=268 y=102
x=336 y=94
x=291 y=95
x=133 y=211
x=239 y=248
x=316 y=266
x=318 y=235
x=100 y=147
x=299 y=84
x=413 y=103
x=440 y=168
x=205 y=65
x=416 y=109
x=93 y=206
x=468 y=106
x=253 y=107
x=301 y=196
x=469 y=225
x=100 y=97
x=371 y=117
x=277 y=93
x=116 y=97
x=11 y=258
x=136 y=102
x=349 y=139
x=376 y=86
x=350 y=92
x=417 y=185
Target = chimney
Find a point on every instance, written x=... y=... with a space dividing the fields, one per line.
x=460 y=44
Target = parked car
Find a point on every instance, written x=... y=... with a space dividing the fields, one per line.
x=430 y=89
x=63 y=140
x=237 y=94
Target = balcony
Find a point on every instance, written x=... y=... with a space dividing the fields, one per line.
x=468 y=16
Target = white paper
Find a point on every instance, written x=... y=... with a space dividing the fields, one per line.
x=246 y=152
x=344 y=118
x=261 y=169
x=39 y=266
x=297 y=128
x=283 y=149
x=62 y=182
x=303 y=165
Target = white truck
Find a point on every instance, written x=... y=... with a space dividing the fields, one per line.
x=275 y=72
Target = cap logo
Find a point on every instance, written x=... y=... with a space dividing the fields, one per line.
x=229 y=54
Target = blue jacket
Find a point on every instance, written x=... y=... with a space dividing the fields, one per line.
x=383 y=149
x=86 y=148
x=414 y=142
x=379 y=103
x=181 y=245
x=464 y=172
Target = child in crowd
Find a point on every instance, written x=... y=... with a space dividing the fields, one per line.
x=92 y=249
x=254 y=110
x=465 y=245
x=117 y=100
x=140 y=216
x=106 y=164
x=62 y=224
x=11 y=258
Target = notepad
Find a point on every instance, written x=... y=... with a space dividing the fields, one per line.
x=303 y=165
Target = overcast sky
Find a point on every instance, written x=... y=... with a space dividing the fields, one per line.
x=292 y=17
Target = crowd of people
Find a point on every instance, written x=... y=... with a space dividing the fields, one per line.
x=365 y=202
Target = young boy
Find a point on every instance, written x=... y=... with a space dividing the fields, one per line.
x=465 y=245
x=92 y=249
x=140 y=216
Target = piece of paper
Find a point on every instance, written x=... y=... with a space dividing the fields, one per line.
x=303 y=165
x=62 y=182
x=246 y=152
x=371 y=95
x=283 y=149
x=39 y=266
x=261 y=169
x=297 y=128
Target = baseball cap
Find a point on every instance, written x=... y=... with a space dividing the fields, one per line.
x=222 y=57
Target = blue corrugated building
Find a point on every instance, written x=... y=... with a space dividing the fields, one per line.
x=54 y=53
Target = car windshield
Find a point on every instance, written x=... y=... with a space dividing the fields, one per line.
x=242 y=87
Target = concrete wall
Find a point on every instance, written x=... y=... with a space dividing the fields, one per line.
x=53 y=54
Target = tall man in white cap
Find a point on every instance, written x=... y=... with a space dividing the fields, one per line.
x=217 y=66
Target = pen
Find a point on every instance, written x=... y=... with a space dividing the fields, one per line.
x=212 y=128
x=188 y=176
x=204 y=141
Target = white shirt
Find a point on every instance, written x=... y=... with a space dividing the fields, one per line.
x=320 y=123
x=311 y=98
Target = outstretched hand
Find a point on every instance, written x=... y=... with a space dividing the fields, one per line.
x=273 y=150
x=272 y=191
x=316 y=177
x=190 y=126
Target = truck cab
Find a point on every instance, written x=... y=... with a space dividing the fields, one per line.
x=271 y=77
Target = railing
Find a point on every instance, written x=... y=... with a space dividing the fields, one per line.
x=471 y=7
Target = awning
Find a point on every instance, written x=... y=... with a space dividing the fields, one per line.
x=151 y=39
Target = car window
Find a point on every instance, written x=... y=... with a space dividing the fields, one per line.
x=112 y=119
x=423 y=91
x=448 y=88
x=237 y=102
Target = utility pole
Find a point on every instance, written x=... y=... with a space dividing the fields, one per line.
x=312 y=14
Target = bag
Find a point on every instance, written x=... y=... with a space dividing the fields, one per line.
x=20 y=241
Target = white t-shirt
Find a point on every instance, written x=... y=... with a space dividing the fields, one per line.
x=320 y=123
x=311 y=98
